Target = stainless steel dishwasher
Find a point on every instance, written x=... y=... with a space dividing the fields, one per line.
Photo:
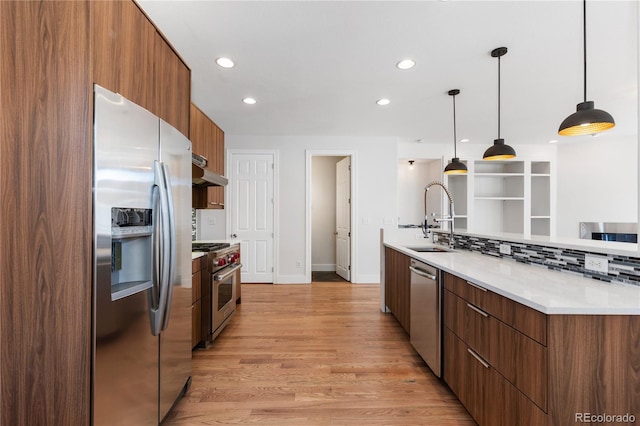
x=426 y=313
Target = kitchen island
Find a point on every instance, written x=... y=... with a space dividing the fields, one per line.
x=523 y=344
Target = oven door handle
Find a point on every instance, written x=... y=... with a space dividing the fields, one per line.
x=224 y=276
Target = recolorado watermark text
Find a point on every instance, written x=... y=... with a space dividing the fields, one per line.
x=604 y=418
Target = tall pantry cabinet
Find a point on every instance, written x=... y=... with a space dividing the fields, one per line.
x=51 y=54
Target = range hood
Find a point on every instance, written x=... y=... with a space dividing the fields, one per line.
x=201 y=178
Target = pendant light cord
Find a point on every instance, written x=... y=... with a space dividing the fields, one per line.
x=498 y=97
x=455 y=152
x=584 y=44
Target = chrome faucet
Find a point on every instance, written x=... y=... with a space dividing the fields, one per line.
x=449 y=218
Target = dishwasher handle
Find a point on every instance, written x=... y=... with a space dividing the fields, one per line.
x=422 y=273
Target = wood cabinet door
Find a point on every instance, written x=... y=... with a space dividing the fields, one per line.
x=196 y=318
x=123 y=51
x=398 y=286
x=172 y=82
x=208 y=141
x=46 y=273
x=196 y=131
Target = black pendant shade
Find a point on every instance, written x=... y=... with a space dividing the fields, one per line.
x=455 y=167
x=499 y=150
x=587 y=119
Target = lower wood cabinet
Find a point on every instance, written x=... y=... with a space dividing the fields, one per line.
x=397 y=286
x=512 y=365
x=196 y=298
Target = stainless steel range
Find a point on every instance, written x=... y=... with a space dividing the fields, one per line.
x=223 y=265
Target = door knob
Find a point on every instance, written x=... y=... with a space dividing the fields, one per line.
x=234 y=235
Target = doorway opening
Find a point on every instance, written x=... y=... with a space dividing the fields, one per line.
x=330 y=204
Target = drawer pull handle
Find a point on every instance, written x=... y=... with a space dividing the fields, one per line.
x=478 y=358
x=478 y=310
x=476 y=286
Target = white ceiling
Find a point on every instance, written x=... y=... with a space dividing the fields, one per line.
x=317 y=67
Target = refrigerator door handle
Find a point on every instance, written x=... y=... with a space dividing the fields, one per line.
x=172 y=246
x=162 y=241
x=154 y=292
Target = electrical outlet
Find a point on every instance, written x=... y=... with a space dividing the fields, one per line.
x=505 y=249
x=595 y=263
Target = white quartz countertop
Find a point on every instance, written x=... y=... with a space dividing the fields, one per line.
x=547 y=291
x=196 y=254
x=231 y=241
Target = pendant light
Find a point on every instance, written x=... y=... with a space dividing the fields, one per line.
x=586 y=120
x=455 y=167
x=499 y=150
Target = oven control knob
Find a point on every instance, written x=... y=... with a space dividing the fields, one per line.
x=222 y=262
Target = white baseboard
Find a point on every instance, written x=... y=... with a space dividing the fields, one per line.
x=291 y=279
x=367 y=279
x=328 y=267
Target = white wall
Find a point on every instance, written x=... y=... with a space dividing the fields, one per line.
x=376 y=203
x=597 y=181
x=323 y=213
x=411 y=183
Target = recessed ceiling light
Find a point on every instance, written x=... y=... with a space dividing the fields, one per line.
x=553 y=141
x=464 y=140
x=249 y=101
x=405 y=64
x=383 y=101
x=225 y=62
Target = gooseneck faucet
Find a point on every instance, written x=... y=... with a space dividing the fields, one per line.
x=425 y=228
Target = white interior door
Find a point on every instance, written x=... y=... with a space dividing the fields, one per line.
x=251 y=214
x=343 y=218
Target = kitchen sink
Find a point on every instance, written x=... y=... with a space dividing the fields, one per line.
x=429 y=249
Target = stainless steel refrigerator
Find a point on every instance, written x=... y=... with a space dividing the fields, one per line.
x=141 y=360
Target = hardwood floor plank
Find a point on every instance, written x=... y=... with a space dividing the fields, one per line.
x=320 y=354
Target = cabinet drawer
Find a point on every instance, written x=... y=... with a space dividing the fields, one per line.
x=523 y=318
x=467 y=322
x=521 y=360
x=486 y=394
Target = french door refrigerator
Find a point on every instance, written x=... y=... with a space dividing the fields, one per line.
x=141 y=360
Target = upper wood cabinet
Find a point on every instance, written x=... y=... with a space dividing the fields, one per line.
x=208 y=140
x=172 y=86
x=131 y=58
x=123 y=51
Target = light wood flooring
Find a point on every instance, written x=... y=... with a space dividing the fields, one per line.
x=319 y=354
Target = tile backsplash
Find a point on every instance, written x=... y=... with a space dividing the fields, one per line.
x=624 y=269
x=193 y=224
